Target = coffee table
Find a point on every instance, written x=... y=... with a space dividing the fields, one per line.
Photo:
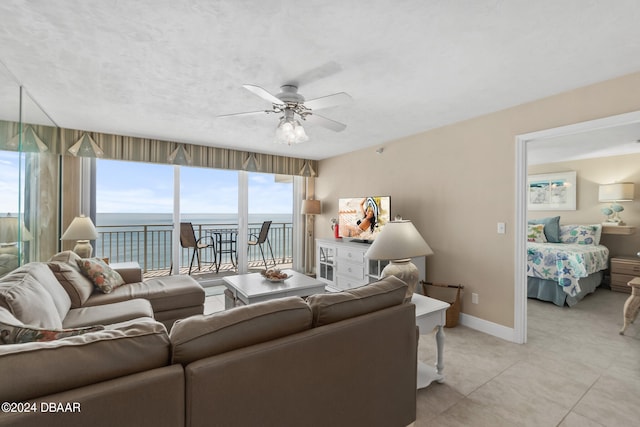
x=253 y=287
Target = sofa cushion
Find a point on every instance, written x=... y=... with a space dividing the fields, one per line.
x=206 y=335
x=38 y=369
x=104 y=277
x=334 y=307
x=43 y=275
x=107 y=314
x=164 y=293
x=28 y=300
x=68 y=257
x=129 y=271
x=7 y=317
x=14 y=334
x=77 y=285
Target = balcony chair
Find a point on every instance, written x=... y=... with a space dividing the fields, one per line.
x=260 y=239
x=188 y=240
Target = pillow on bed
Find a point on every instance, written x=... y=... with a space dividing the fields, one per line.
x=551 y=228
x=535 y=233
x=581 y=234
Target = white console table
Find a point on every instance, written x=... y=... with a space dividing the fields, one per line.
x=431 y=313
x=341 y=264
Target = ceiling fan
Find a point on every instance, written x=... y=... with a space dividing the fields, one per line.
x=290 y=104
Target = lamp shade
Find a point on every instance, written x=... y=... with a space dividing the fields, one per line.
x=81 y=228
x=617 y=192
x=9 y=230
x=398 y=240
x=311 y=207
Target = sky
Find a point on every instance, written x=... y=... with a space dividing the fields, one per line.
x=8 y=182
x=133 y=187
x=145 y=187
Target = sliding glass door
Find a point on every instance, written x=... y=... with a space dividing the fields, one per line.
x=270 y=204
x=137 y=205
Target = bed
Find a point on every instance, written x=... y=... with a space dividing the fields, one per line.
x=564 y=272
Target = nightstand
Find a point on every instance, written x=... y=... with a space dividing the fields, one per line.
x=623 y=270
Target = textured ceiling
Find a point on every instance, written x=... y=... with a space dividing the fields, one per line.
x=166 y=68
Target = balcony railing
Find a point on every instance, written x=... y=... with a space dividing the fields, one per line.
x=150 y=245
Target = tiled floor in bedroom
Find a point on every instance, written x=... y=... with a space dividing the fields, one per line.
x=575 y=370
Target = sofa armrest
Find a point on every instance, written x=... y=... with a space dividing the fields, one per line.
x=131 y=272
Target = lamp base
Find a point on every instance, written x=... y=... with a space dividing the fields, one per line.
x=406 y=271
x=83 y=249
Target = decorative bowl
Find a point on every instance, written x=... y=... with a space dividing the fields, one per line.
x=274 y=275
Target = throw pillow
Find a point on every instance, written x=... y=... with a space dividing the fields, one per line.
x=10 y=334
x=581 y=234
x=77 y=285
x=535 y=233
x=103 y=277
x=551 y=228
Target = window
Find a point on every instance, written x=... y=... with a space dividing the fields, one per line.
x=134 y=211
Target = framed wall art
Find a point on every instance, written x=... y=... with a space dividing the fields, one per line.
x=552 y=192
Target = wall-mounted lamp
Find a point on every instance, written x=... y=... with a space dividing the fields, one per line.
x=615 y=193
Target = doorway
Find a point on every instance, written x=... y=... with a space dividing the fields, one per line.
x=522 y=144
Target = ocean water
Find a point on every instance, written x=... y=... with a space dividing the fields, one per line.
x=115 y=219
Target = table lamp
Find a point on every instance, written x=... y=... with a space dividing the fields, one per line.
x=398 y=242
x=82 y=230
x=615 y=193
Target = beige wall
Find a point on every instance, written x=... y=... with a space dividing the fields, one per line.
x=457 y=182
x=590 y=174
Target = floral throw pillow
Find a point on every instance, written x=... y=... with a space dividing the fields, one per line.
x=10 y=334
x=103 y=277
x=580 y=234
x=535 y=233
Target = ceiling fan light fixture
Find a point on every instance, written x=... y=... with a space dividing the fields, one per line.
x=290 y=131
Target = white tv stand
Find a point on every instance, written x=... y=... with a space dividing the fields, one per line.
x=341 y=264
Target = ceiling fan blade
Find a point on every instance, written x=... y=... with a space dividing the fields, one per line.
x=323 y=71
x=262 y=93
x=328 y=123
x=248 y=113
x=328 y=101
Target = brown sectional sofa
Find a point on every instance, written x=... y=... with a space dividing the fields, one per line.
x=170 y=298
x=343 y=359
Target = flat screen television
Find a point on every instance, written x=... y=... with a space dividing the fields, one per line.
x=362 y=218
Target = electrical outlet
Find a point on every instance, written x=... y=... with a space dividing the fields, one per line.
x=474 y=298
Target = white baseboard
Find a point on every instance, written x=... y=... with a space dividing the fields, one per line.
x=487 y=327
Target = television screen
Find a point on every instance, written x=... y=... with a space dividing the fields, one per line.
x=362 y=218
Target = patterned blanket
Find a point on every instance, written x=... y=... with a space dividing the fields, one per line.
x=565 y=263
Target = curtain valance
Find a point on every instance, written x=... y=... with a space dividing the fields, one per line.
x=117 y=147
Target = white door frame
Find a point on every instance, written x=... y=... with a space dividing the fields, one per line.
x=520 y=294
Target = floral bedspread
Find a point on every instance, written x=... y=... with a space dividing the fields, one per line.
x=565 y=262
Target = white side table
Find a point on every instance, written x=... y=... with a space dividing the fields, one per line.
x=632 y=304
x=431 y=313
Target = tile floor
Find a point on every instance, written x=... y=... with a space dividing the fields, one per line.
x=575 y=370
